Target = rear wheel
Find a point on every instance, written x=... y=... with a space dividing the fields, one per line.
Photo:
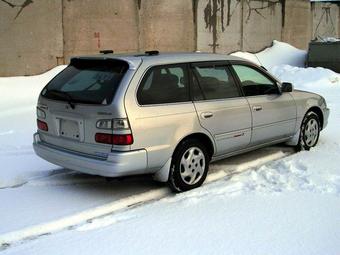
x=309 y=132
x=189 y=166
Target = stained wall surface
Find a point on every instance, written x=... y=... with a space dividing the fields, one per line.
x=166 y=25
x=325 y=20
x=262 y=22
x=37 y=35
x=219 y=25
x=297 y=28
x=31 y=36
x=90 y=26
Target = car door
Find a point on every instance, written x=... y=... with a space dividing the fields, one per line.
x=273 y=112
x=220 y=106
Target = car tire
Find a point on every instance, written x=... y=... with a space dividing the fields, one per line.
x=309 y=132
x=189 y=166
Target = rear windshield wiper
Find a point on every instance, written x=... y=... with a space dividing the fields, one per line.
x=65 y=95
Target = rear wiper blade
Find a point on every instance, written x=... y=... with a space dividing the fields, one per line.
x=65 y=95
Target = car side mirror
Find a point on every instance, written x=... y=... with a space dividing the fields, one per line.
x=286 y=87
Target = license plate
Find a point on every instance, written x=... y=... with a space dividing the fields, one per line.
x=69 y=129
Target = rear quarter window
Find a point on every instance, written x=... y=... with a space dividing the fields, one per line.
x=164 y=84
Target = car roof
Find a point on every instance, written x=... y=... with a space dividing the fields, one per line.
x=134 y=59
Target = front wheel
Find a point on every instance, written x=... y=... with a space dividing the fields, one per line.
x=309 y=132
x=189 y=166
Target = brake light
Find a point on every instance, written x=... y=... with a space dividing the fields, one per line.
x=114 y=139
x=42 y=125
x=123 y=139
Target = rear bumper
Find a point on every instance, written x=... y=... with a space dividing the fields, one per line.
x=116 y=164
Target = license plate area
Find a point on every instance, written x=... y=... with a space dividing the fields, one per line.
x=69 y=129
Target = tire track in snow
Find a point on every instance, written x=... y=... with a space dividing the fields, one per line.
x=68 y=222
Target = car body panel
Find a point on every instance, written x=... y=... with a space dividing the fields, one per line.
x=229 y=124
x=276 y=118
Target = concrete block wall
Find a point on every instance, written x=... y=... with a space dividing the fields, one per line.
x=37 y=35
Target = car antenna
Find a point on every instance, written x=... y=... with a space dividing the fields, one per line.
x=152 y=52
x=106 y=51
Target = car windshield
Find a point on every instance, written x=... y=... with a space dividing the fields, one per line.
x=87 y=81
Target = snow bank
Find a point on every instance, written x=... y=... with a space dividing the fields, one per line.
x=23 y=89
x=279 y=53
x=318 y=80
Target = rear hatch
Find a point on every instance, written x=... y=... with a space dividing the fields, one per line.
x=78 y=98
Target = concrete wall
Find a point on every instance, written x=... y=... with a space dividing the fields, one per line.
x=36 y=35
x=31 y=39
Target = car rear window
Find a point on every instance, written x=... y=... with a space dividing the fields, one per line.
x=87 y=81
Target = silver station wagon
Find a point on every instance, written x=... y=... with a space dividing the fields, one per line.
x=168 y=115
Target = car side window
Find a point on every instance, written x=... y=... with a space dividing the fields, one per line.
x=213 y=82
x=164 y=84
x=253 y=82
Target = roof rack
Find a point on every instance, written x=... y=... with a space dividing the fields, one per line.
x=152 y=52
x=106 y=51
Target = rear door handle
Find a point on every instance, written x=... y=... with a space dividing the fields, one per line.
x=257 y=108
x=206 y=115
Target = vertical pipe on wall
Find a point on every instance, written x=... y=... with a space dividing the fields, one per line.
x=312 y=8
x=339 y=21
x=242 y=17
x=138 y=8
x=61 y=61
x=194 y=13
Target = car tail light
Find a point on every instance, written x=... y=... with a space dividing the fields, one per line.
x=41 y=113
x=42 y=125
x=120 y=124
x=122 y=139
x=115 y=124
x=104 y=124
x=114 y=139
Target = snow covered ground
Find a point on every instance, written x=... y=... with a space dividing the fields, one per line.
x=286 y=206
